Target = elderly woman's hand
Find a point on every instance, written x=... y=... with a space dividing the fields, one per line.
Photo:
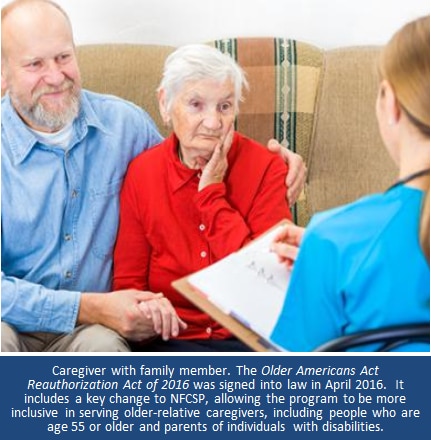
x=163 y=315
x=215 y=169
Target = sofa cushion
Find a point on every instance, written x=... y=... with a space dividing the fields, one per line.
x=348 y=158
x=284 y=77
x=131 y=71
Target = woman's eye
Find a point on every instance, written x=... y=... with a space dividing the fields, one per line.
x=225 y=107
x=195 y=105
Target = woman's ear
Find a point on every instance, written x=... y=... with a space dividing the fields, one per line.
x=389 y=103
x=161 y=96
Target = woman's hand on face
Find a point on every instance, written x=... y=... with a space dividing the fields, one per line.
x=286 y=244
x=215 y=169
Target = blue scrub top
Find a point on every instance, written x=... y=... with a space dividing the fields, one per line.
x=360 y=267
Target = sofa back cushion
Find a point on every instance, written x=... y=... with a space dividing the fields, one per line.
x=284 y=77
x=130 y=71
x=348 y=158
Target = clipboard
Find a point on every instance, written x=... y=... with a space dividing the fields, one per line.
x=228 y=318
x=243 y=333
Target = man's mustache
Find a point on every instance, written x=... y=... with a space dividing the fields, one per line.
x=68 y=84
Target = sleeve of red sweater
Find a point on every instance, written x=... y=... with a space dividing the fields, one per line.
x=227 y=229
x=132 y=251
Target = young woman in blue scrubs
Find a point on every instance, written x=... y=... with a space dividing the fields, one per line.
x=361 y=266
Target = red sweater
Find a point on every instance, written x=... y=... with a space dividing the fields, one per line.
x=168 y=229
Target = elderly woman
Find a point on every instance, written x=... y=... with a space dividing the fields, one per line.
x=200 y=195
x=372 y=271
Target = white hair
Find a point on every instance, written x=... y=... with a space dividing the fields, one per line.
x=195 y=62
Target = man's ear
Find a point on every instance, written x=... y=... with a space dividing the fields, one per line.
x=161 y=96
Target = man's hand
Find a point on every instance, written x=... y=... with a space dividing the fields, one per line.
x=127 y=312
x=286 y=244
x=297 y=174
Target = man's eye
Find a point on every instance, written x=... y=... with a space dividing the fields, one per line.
x=34 y=65
x=63 y=58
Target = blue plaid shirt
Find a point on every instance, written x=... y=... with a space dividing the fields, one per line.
x=60 y=209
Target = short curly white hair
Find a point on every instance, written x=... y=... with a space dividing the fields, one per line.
x=196 y=62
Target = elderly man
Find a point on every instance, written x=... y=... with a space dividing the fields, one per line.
x=64 y=154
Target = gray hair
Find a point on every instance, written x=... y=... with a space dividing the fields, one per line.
x=195 y=62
